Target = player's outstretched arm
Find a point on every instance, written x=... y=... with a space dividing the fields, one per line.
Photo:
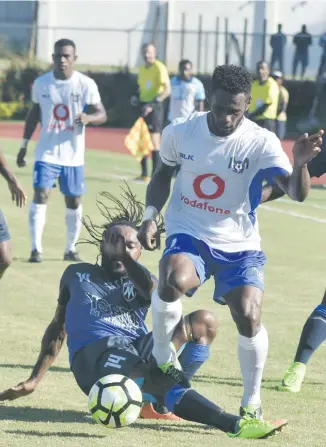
x=31 y=122
x=52 y=341
x=297 y=185
x=17 y=194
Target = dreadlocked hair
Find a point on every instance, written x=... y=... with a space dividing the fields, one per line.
x=123 y=210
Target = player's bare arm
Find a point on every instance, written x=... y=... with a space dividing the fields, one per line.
x=31 y=122
x=52 y=342
x=17 y=194
x=157 y=194
x=96 y=115
x=271 y=192
x=297 y=185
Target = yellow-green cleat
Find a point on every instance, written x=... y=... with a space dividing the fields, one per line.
x=256 y=429
x=293 y=378
x=252 y=412
x=174 y=370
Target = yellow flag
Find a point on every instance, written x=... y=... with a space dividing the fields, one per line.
x=139 y=141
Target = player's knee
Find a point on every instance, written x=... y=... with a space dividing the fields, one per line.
x=173 y=286
x=247 y=318
x=72 y=202
x=5 y=261
x=203 y=326
x=40 y=196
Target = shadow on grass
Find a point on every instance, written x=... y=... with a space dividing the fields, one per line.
x=30 y=367
x=168 y=427
x=29 y=414
x=60 y=434
x=237 y=381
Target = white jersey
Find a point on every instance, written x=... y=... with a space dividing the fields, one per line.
x=219 y=185
x=62 y=140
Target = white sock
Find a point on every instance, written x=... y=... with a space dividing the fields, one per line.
x=37 y=217
x=74 y=224
x=252 y=353
x=165 y=318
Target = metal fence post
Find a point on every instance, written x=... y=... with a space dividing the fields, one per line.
x=183 y=30
x=245 y=36
x=263 y=49
x=217 y=32
x=200 y=22
x=226 y=42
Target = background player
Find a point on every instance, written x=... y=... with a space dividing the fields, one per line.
x=18 y=196
x=314 y=331
x=211 y=222
x=65 y=101
x=102 y=308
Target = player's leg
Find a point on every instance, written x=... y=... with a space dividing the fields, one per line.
x=72 y=186
x=312 y=336
x=5 y=246
x=45 y=175
x=156 y=124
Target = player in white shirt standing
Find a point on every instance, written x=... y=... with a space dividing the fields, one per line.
x=187 y=93
x=211 y=221
x=64 y=101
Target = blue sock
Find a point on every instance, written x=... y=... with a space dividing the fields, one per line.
x=193 y=356
x=313 y=334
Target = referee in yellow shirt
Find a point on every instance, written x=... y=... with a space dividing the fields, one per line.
x=264 y=98
x=153 y=88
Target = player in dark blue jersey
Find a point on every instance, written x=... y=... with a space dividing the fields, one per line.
x=18 y=196
x=102 y=310
x=314 y=331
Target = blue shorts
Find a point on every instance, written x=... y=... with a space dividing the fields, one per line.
x=230 y=270
x=4 y=232
x=71 y=178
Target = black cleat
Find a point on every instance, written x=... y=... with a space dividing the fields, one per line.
x=35 y=257
x=72 y=256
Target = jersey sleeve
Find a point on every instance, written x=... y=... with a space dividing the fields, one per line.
x=200 y=93
x=92 y=96
x=272 y=94
x=34 y=94
x=164 y=75
x=64 y=293
x=273 y=160
x=168 y=151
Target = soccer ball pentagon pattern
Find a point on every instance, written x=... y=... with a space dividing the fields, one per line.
x=115 y=401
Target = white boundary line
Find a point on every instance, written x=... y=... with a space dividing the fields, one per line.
x=291 y=213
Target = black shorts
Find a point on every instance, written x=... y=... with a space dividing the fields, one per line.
x=317 y=166
x=155 y=120
x=118 y=355
x=4 y=232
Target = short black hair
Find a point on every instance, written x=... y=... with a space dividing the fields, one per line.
x=231 y=78
x=65 y=43
x=184 y=62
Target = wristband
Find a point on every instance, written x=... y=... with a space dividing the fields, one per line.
x=24 y=143
x=150 y=213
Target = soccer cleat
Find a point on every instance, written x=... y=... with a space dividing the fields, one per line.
x=251 y=412
x=169 y=369
x=150 y=411
x=143 y=179
x=249 y=428
x=35 y=257
x=293 y=378
x=72 y=256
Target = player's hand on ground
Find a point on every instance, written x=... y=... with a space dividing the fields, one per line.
x=21 y=390
x=148 y=235
x=17 y=194
x=307 y=147
x=147 y=109
x=21 y=163
x=83 y=119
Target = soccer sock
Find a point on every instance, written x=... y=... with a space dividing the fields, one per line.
x=313 y=334
x=252 y=353
x=144 y=167
x=165 y=318
x=193 y=357
x=192 y=406
x=155 y=159
x=74 y=224
x=37 y=216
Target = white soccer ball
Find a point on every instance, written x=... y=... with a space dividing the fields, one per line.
x=115 y=401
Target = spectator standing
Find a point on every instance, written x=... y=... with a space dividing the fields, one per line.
x=302 y=42
x=264 y=98
x=281 y=119
x=322 y=66
x=153 y=88
x=278 y=42
x=187 y=93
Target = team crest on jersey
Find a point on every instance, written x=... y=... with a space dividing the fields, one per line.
x=83 y=277
x=129 y=291
x=238 y=166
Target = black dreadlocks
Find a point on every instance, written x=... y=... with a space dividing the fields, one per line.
x=115 y=212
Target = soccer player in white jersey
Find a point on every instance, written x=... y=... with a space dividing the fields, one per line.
x=211 y=221
x=64 y=101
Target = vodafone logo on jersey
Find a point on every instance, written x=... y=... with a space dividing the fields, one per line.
x=207 y=187
x=61 y=112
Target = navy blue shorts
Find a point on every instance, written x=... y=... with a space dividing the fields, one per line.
x=71 y=178
x=230 y=270
x=4 y=232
